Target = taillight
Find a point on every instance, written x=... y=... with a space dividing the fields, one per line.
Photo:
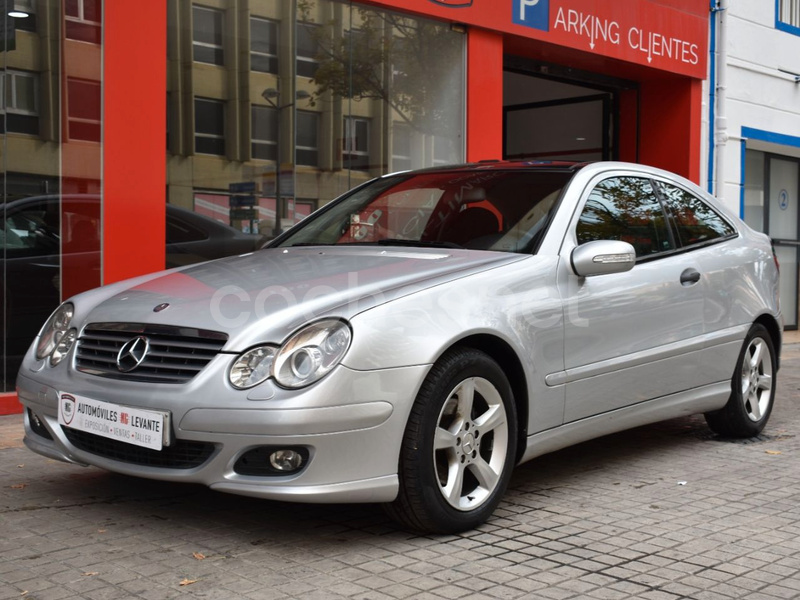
x=775 y=257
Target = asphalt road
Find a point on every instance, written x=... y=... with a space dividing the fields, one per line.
x=660 y=512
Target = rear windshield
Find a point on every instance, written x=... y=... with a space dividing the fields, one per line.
x=505 y=211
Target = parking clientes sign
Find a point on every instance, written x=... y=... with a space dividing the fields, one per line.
x=670 y=37
x=610 y=32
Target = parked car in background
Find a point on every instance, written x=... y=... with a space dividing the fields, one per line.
x=412 y=341
x=39 y=233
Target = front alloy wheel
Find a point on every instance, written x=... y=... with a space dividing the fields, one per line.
x=459 y=446
x=471 y=443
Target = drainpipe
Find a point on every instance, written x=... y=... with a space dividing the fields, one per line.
x=721 y=121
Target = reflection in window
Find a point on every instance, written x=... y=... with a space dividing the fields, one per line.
x=626 y=209
x=307 y=49
x=209 y=126
x=307 y=141
x=83 y=20
x=83 y=109
x=401 y=148
x=265 y=133
x=443 y=151
x=21 y=93
x=355 y=144
x=386 y=94
x=25 y=23
x=207 y=24
x=32 y=231
x=263 y=45
x=695 y=221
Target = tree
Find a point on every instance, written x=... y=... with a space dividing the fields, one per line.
x=415 y=66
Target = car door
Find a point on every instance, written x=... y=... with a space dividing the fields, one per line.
x=628 y=337
x=709 y=237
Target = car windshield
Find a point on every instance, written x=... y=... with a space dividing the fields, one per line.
x=505 y=211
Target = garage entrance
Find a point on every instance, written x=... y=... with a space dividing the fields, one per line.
x=552 y=112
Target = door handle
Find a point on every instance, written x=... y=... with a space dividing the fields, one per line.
x=690 y=277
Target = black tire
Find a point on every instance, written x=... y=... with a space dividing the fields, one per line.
x=423 y=502
x=753 y=389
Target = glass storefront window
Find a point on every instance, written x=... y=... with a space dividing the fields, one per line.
x=313 y=98
x=50 y=166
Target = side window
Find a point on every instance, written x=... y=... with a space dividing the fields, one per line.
x=695 y=221
x=31 y=232
x=626 y=209
x=179 y=231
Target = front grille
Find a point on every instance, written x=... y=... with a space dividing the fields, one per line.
x=182 y=454
x=175 y=355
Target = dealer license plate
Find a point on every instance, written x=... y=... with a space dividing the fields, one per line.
x=147 y=428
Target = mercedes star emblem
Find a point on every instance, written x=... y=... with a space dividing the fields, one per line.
x=132 y=354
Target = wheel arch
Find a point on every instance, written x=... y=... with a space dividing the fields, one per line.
x=508 y=360
x=775 y=332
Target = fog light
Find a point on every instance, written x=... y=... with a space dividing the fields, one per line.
x=286 y=460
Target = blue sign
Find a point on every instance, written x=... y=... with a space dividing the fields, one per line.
x=532 y=13
x=783 y=199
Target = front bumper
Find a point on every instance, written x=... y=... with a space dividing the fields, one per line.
x=351 y=423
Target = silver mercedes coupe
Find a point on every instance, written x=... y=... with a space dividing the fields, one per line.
x=413 y=340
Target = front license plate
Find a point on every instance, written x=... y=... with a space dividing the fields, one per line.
x=147 y=428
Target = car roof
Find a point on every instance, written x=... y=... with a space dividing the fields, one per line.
x=501 y=165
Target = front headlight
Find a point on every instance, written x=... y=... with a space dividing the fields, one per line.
x=55 y=328
x=311 y=353
x=63 y=347
x=252 y=367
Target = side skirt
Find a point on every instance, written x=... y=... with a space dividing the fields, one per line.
x=691 y=402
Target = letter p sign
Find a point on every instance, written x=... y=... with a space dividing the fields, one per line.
x=532 y=13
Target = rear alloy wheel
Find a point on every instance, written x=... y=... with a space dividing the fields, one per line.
x=459 y=446
x=753 y=384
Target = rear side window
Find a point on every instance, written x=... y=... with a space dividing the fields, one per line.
x=695 y=221
x=626 y=209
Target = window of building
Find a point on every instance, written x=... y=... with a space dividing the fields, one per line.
x=83 y=109
x=209 y=126
x=207 y=32
x=263 y=45
x=355 y=145
x=83 y=19
x=626 y=209
x=788 y=16
x=401 y=147
x=695 y=221
x=20 y=91
x=264 y=133
x=307 y=49
x=307 y=143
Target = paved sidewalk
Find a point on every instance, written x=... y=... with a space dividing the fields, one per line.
x=661 y=512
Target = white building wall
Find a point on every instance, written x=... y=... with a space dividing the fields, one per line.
x=760 y=92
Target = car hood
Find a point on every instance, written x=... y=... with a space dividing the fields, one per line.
x=266 y=295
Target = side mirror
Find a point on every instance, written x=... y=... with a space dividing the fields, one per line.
x=602 y=257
